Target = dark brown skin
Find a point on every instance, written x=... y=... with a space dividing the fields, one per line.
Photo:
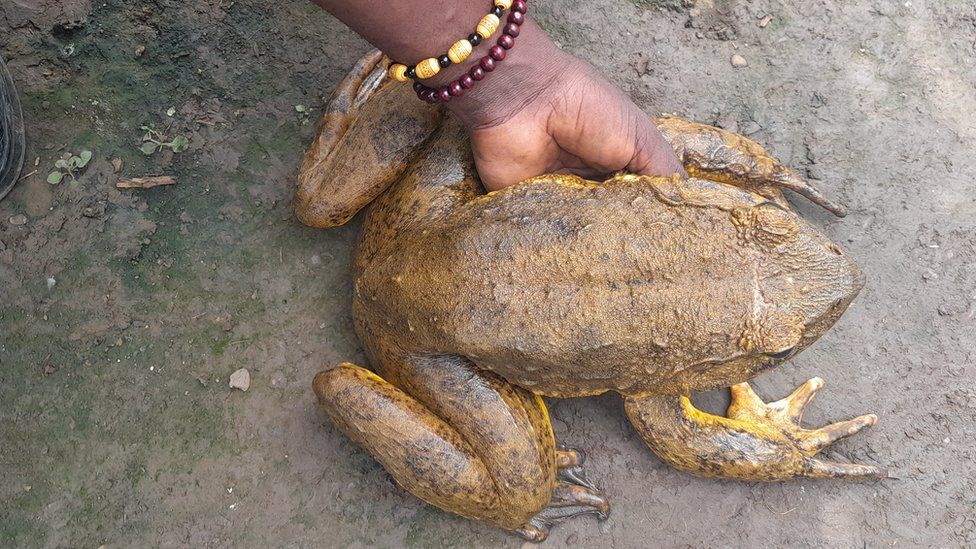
x=541 y=111
x=472 y=305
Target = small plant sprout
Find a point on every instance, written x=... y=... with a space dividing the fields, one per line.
x=69 y=164
x=303 y=113
x=154 y=141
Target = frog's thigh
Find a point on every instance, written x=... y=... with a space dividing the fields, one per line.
x=757 y=441
x=466 y=442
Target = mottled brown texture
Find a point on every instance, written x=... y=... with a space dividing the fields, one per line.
x=563 y=287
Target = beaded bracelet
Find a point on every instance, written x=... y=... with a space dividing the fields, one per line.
x=485 y=65
x=459 y=51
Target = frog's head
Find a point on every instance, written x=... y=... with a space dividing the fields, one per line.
x=803 y=284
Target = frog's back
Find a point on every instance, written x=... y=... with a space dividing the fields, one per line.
x=568 y=288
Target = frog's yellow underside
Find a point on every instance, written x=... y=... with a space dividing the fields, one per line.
x=471 y=306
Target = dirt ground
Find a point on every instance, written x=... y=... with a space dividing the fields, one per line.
x=124 y=312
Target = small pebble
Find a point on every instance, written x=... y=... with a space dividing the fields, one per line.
x=241 y=379
x=738 y=61
x=930 y=275
x=19 y=219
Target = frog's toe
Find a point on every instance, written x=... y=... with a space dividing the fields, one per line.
x=569 y=467
x=569 y=499
x=785 y=415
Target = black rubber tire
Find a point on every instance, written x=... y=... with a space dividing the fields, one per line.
x=12 y=140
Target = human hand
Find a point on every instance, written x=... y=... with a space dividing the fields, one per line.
x=545 y=111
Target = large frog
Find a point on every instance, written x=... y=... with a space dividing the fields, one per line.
x=471 y=306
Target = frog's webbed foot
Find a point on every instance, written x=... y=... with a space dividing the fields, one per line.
x=757 y=441
x=572 y=495
x=713 y=153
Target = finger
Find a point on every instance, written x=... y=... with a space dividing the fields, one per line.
x=816 y=468
x=792 y=406
x=653 y=155
x=817 y=439
x=568 y=495
x=745 y=402
x=569 y=458
x=604 y=128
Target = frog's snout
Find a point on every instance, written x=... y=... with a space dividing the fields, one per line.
x=850 y=273
x=837 y=280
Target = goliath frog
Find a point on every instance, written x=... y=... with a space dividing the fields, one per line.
x=472 y=306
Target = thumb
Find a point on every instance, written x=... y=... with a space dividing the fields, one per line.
x=653 y=155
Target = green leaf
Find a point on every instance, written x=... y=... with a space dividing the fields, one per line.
x=148 y=148
x=61 y=163
x=84 y=157
x=74 y=162
x=179 y=144
x=55 y=177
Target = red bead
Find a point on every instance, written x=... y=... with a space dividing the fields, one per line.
x=455 y=88
x=487 y=63
x=466 y=81
x=477 y=73
x=516 y=17
x=497 y=53
x=444 y=94
x=518 y=6
x=506 y=41
x=512 y=30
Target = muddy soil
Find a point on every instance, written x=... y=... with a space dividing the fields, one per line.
x=123 y=313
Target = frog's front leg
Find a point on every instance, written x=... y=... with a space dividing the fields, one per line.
x=465 y=441
x=757 y=441
x=713 y=153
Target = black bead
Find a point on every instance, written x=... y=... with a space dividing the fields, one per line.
x=475 y=39
x=444 y=61
x=498 y=11
x=412 y=71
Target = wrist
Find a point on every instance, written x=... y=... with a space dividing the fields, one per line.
x=530 y=67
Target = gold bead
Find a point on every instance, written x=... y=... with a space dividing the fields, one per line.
x=504 y=4
x=398 y=72
x=488 y=25
x=427 y=68
x=459 y=51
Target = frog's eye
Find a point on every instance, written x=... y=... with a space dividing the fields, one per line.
x=772 y=224
x=782 y=355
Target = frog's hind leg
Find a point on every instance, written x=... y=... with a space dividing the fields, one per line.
x=367 y=133
x=463 y=440
x=757 y=441
x=712 y=153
